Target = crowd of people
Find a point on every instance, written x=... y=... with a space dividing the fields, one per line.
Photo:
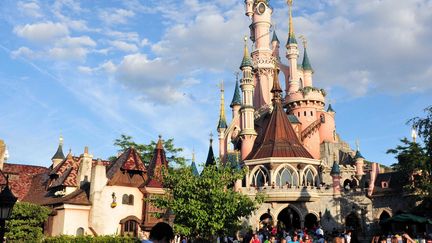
x=402 y=238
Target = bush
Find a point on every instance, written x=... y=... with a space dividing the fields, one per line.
x=26 y=222
x=90 y=239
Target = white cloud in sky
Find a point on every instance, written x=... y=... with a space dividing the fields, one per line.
x=124 y=46
x=31 y=8
x=42 y=32
x=116 y=16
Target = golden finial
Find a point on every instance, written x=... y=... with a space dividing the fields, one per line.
x=193 y=155
x=61 y=140
x=245 y=50
x=222 y=102
x=290 y=23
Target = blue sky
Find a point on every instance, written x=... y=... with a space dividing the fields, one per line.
x=92 y=70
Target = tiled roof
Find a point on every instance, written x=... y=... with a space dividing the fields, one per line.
x=128 y=160
x=278 y=138
x=66 y=171
x=20 y=177
x=395 y=180
x=156 y=165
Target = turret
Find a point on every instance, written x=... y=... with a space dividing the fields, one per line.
x=359 y=162
x=249 y=8
x=236 y=100
x=210 y=156
x=248 y=133
x=222 y=125
x=275 y=46
x=85 y=167
x=58 y=156
x=335 y=174
x=193 y=165
x=292 y=54
x=307 y=67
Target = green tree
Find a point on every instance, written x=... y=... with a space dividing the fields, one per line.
x=205 y=206
x=26 y=222
x=415 y=158
x=146 y=150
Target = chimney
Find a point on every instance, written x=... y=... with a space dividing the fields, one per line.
x=85 y=167
x=2 y=153
x=98 y=178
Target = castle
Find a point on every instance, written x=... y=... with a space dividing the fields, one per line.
x=287 y=139
x=289 y=143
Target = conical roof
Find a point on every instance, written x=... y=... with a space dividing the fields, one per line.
x=358 y=155
x=275 y=38
x=335 y=169
x=330 y=108
x=210 y=156
x=236 y=100
x=194 y=169
x=279 y=138
x=247 y=60
x=306 y=63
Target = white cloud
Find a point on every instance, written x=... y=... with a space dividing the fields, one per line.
x=124 y=46
x=68 y=53
x=77 y=41
x=43 y=32
x=31 y=9
x=24 y=52
x=116 y=16
x=145 y=42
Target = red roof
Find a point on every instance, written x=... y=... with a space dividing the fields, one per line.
x=20 y=177
x=128 y=160
x=156 y=165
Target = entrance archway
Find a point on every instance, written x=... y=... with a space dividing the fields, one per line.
x=289 y=219
x=310 y=220
x=385 y=227
x=266 y=220
x=352 y=223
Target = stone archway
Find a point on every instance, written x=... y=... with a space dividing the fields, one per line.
x=289 y=219
x=310 y=221
x=385 y=227
x=353 y=224
x=266 y=220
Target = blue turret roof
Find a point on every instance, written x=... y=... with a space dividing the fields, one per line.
x=236 y=100
x=306 y=63
x=275 y=38
x=358 y=155
x=247 y=60
x=59 y=154
x=210 y=156
x=222 y=123
x=335 y=169
x=194 y=169
x=330 y=108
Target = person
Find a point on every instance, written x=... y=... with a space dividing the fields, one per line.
x=294 y=239
x=319 y=231
x=348 y=237
x=255 y=239
x=161 y=233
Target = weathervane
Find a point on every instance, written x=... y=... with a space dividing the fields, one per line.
x=357 y=144
x=304 y=41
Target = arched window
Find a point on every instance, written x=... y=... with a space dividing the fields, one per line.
x=298 y=114
x=80 y=231
x=304 y=113
x=309 y=177
x=260 y=178
x=130 y=228
x=311 y=113
x=131 y=199
x=125 y=199
x=286 y=176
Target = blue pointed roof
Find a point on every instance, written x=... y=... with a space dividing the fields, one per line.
x=59 y=154
x=222 y=123
x=358 y=155
x=194 y=169
x=247 y=60
x=330 y=108
x=210 y=156
x=291 y=39
x=236 y=100
x=233 y=160
x=335 y=169
x=306 y=63
x=275 y=38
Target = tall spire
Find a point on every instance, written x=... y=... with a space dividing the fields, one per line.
x=236 y=100
x=275 y=38
x=247 y=61
x=276 y=90
x=193 y=165
x=59 y=153
x=306 y=63
x=210 y=156
x=222 y=120
x=291 y=35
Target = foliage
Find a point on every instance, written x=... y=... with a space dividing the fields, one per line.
x=205 y=205
x=90 y=239
x=415 y=158
x=26 y=222
x=146 y=150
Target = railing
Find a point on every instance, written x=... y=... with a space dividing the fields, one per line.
x=309 y=129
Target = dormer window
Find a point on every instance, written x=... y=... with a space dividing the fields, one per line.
x=384 y=184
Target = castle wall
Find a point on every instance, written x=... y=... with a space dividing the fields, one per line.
x=105 y=220
x=69 y=218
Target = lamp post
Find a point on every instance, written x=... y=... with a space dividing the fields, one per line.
x=7 y=201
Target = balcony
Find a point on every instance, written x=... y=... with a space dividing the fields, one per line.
x=283 y=194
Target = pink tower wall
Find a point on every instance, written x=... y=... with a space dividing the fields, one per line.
x=327 y=129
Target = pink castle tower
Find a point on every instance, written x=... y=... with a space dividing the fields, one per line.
x=263 y=61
